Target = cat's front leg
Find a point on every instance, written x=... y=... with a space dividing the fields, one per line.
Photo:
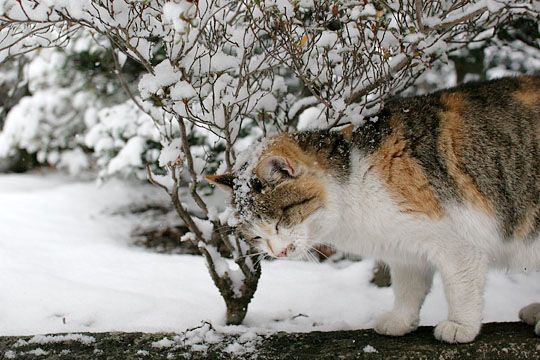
x=463 y=273
x=410 y=284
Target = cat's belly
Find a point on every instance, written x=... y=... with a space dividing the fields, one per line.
x=518 y=255
x=481 y=231
x=405 y=238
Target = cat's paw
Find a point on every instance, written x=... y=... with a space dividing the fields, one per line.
x=453 y=332
x=530 y=314
x=395 y=324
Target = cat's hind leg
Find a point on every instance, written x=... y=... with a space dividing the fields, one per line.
x=530 y=314
x=410 y=284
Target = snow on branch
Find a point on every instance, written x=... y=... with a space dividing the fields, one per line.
x=351 y=55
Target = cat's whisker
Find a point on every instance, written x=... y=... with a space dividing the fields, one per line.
x=263 y=257
x=312 y=257
x=318 y=251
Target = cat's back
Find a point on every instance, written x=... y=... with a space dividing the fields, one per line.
x=477 y=144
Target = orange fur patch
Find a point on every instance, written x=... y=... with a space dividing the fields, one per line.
x=529 y=92
x=527 y=223
x=283 y=145
x=347 y=132
x=312 y=186
x=450 y=144
x=404 y=177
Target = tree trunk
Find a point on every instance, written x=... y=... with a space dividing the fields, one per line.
x=237 y=306
x=236 y=311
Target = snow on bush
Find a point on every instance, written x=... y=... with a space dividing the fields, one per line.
x=49 y=124
x=123 y=138
x=76 y=116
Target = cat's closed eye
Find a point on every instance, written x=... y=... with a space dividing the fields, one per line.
x=295 y=213
x=300 y=203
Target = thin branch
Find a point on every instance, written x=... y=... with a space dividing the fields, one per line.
x=419 y=8
x=187 y=153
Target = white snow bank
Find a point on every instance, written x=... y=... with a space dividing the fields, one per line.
x=66 y=266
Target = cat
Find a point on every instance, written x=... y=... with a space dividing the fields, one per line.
x=448 y=182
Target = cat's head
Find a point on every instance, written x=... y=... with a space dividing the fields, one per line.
x=280 y=195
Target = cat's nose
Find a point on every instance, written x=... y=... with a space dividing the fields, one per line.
x=288 y=250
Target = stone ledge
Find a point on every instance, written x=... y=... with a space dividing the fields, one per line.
x=497 y=341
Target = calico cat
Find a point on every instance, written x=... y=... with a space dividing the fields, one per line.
x=448 y=181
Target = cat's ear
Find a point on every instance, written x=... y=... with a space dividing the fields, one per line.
x=275 y=168
x=347 y=132
x=224 y=182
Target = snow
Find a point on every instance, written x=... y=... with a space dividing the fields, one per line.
x=283 y=6
x=164 y=76
x=182 y=90
x=170 y=153
x=74 y=161
x=267 y=103
x=369 y=349
x=163 y=343
x=70 y=267
x=327 y=39
x=360 y=11
x=55 y=339
x=413 y=38
x=465 y=11
x=129 y=155
x=396 y=60
x=306 y=4
x=119 y=138
x=37 y=352
x=176 y=14
x=243 y=170
x=304 y=102
x=205 y=226
x=310 y=119
x=10 y=354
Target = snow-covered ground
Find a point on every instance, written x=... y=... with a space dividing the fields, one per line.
x=67 y=265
